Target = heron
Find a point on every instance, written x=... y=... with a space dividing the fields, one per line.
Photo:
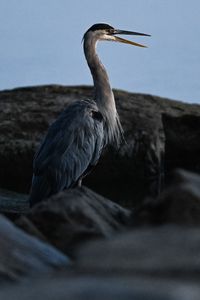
x=75 y=141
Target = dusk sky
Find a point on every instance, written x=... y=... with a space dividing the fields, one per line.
x=41 y=44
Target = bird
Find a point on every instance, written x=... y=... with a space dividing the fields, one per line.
x=76 y=139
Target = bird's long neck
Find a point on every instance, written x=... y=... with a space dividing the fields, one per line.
x=103 y=92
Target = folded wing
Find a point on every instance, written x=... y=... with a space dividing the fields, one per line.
x=74 y=142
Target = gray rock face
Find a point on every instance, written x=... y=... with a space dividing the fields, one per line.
x=98 y=288
x=167 y=251
x=73 y=217
x=178 y=204
x=149 y=252
x=12 y=202
x=136 y=169
x=22 y=256
x=157 y=263
x=182 y=145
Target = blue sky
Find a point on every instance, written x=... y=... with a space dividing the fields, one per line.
x=41 y=44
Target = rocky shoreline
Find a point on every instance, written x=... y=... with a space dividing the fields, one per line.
x=131 y=232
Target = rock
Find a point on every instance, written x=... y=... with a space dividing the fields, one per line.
x=182 y=145
x=156 y=263
x=74 y=216
x=25 y=224
x=178 y=204
x=136 y=169
x=160 y=263
x=97 y=288
x=158 y=252
x=13 y=203
x=23 y=256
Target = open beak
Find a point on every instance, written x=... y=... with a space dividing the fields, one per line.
x=125 y=32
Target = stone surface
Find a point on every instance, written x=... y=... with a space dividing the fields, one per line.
x=152 y=252
x=160 y=263
x=98 y=288
x=75 y=216
x=178 y=204
x=167 y=251
x=22 y=256
x=136 y=169
x=12 y=202
x=182 y=146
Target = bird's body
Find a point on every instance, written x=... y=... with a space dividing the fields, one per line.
x=75 y=141
x=73 y=144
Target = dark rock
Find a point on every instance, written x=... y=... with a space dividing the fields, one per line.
x=135 y=170
x=13 y=203
x=25 y=224
x=98 y=288
x=159 y=252
x=178 y=204
x=182 y=143
x=161 y=262
x=22 y=256
x=74 y=216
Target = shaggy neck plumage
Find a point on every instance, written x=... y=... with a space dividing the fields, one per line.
x=103 y=92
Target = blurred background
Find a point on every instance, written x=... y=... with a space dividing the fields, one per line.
x=41 y=44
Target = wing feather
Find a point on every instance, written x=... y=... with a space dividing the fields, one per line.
x=73 y=143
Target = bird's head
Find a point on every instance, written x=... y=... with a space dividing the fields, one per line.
x=102 y=31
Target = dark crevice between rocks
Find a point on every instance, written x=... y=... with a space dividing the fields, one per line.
x=16 y=171
x=182 y=144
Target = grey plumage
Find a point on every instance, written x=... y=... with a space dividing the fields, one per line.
x=74 y=142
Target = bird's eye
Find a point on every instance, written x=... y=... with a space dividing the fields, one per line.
x=96 y=115
x=110 y=31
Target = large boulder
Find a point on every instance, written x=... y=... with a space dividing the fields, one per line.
x=151 y=252
x=98 y=288
x=178 y=204
x=73 y=217
x=155 y=263
x=151 y=125
x=13 y=203
x=166 y=251
x=23 y=256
